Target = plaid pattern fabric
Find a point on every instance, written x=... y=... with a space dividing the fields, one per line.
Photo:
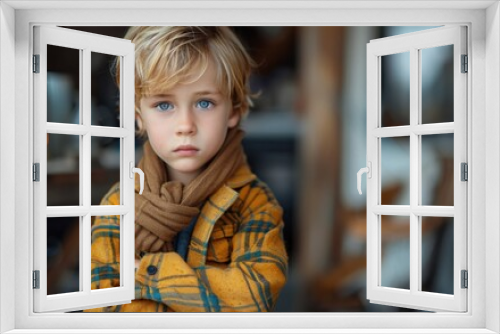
x=236 y=260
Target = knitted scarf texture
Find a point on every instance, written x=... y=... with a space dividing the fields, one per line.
x=167 y=207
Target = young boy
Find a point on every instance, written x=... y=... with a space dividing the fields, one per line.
x=209 y=233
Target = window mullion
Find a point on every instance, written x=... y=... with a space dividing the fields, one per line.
x=85 y=112
x=86 y=169
x=414 y=171
x=81 y=255
x=420 y=126
x=85 y=238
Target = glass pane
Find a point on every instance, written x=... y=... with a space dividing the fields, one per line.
x=63 y=179
x=63 y=82
x=437 y=254
x=63 y=255
x=437 y=84
x=395 y=261
x=395 y=89
x=105 y=166
x=437 y=169
x=105 y=101
x=105 y=252
x=395 y=171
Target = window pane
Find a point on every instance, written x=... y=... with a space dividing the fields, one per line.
x=105 y=252
x=395 y=171
x=437 y=169
x=437 y=254
x=63 y=179
x=105 y=166
x=395 y=262
x=395 y=94
x=63 y=82
x=105 y=101
x=437 y=84
x=63 y=255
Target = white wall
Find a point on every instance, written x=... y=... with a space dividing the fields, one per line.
x=492 y=164
x=7 y=161
x=371 y=17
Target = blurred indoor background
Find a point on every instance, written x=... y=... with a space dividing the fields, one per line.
x=306 y=138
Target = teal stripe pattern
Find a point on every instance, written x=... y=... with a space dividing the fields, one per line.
x=235 y=262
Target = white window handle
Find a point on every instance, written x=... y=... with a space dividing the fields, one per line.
x=141 y=175
x=367 y=170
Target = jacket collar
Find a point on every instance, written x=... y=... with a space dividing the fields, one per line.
x=241 y=177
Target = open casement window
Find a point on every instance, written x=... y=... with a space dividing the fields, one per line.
x=77 y=135
x=422 y=129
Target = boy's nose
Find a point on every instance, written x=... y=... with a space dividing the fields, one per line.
x=186 y=124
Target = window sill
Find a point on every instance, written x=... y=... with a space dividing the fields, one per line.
x=256 y=331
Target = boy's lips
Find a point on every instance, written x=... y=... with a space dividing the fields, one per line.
x=186 y=150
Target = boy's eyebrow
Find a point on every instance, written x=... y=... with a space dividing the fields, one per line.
x=159 y=95
x=208 y=92
x=203 y=92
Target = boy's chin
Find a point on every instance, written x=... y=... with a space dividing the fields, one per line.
x=187 y=169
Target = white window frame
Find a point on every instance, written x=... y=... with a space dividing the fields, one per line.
x=85 y=43
x=413 y=44
x=16 y=21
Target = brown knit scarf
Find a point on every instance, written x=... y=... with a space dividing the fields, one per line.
x=166 y=207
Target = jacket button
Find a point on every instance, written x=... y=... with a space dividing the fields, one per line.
x=152 y=270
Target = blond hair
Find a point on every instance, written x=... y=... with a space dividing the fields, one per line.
x=167 y=56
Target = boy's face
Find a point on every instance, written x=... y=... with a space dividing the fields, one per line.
x=187 y=125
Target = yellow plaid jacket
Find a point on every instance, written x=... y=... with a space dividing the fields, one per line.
x=236 y=260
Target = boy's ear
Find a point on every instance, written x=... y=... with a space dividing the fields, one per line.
x=233 y=119
x=138 y=123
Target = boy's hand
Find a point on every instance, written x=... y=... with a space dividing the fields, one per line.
x=137 y=263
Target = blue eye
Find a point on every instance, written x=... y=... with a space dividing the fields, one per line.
x=205 y=104
x=164 y=106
